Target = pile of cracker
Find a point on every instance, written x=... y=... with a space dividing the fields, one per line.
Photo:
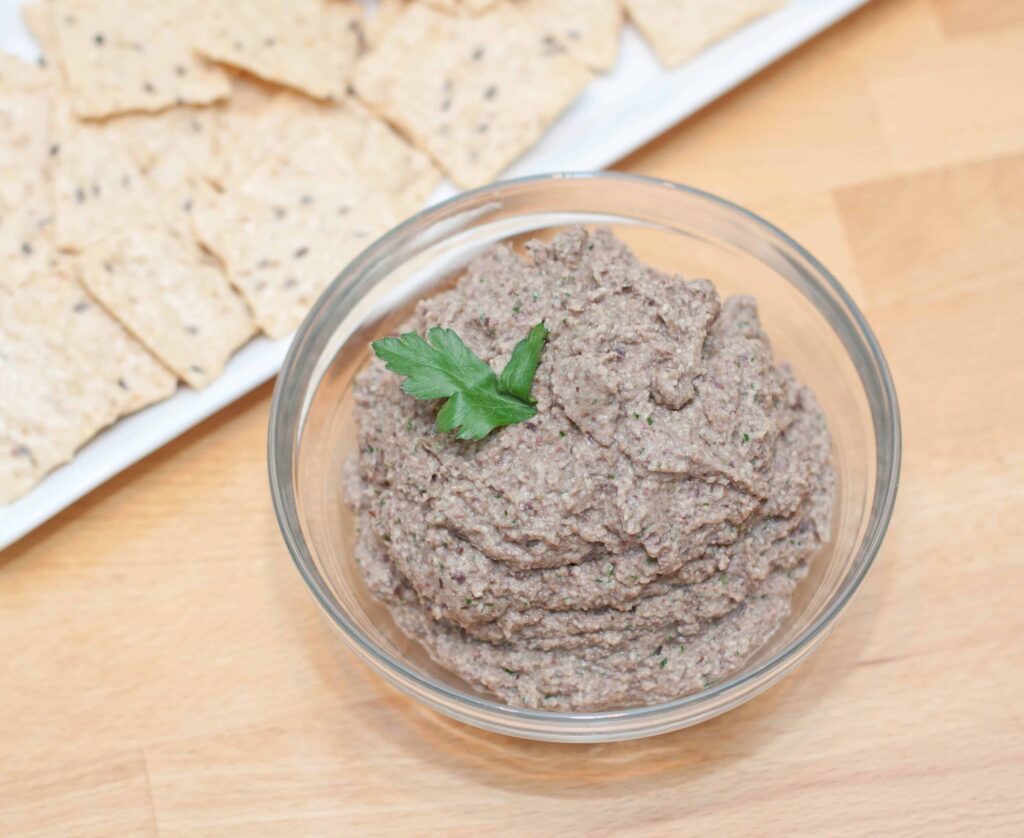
x=177 y=176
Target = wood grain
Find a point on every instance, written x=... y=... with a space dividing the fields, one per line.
x=164 y=672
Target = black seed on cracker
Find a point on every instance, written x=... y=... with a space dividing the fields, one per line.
x=80 y=306
x=98 y=39
x=302 y=251
x=26 y=248
x=23 y=451
x=279 y=212
x=122 y=384
x=80 y=195
x=306 y=200
x=490 y=91
x=551 y=45
x=192 y=329
x=148 y=87
x=478 y=53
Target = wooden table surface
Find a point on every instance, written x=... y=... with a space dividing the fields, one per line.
x=164 y=671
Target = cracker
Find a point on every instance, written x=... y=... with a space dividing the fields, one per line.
x=308 y=45
x=66 y=371
x=109 y=176
x=98 y=186
x=169 y=147
x=133 y=55
x=473 y=7
x=265 y=132
x=26 y=210
x=38 y=18
x=385 y=14
x=171 y=296
x=78 y=322
x=679 y=30
x=475 y=92
x=589 y=28
x=22 y=75
x=284 y=236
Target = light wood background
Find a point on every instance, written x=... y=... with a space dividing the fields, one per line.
x=162 y=669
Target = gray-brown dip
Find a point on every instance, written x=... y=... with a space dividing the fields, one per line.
x=643 y=534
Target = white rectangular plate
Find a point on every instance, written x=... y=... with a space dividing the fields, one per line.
x=618 y=113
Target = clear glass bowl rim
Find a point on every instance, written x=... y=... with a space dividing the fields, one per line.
x=282 y=439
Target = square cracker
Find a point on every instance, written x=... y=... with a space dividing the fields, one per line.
x=475 y=92
x=308 y=45
x=133 y=55
x=679 y=30
x=66 y=371
x=173 y=297
x=589 y=28
x=265 y=131
x=284 y=236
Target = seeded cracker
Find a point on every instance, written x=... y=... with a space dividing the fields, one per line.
x=475 y=92
x=309 y=45
x=25 y=202
x=172 y=297
x=38 y=18
x=589 y=28
x=98 y=187
x=133 y=55
x=679 y=30
x=284 y=237
x=265 y=131
x=474 y=7
x=385 y=13
x=66 y=370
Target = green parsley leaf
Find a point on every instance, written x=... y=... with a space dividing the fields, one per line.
x=443 y=367
x=517 y=377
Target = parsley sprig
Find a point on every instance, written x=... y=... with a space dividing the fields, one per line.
x=443 y=367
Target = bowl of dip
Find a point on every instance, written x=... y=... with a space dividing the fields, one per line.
x=528 y=664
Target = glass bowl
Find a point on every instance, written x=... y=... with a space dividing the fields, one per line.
x=810 y=318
